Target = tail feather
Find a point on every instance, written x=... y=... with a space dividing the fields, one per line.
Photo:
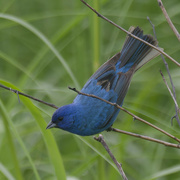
x=135 y=52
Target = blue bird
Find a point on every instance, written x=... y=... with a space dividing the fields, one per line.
x=88 y=116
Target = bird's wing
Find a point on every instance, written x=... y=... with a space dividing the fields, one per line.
x=110 y=79
x=106 y=74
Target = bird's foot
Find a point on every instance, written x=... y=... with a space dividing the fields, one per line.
x=109 y=129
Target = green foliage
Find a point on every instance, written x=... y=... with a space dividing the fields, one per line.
x=46 y=46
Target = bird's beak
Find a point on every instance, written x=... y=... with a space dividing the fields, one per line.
x=50 y=125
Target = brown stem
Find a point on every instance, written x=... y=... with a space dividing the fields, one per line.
x=146 y=138
x=28 y=96
x=119 y=166
x=168 y=19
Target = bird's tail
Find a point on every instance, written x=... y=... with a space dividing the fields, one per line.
x=135 y=52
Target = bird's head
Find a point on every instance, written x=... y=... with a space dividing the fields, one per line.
x=63 y=118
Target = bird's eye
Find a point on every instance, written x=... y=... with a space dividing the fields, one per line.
x=60 y=118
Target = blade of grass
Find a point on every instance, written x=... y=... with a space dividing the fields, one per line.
x=58 y=36
x=68 y=41
x=8 y=5
x=11 y=146
x=6 y=173
x=7 y=118
x=51 y=145
x=166 y=172
x=45 y=40
x=96 y=36
x=96 y=57
x=15 y=63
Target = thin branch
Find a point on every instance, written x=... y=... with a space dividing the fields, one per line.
x=130 y=34
x=174 y=99
x=167 y=68
x=168 y=19
x=134 y=116
x=146 y=138
x=119 y=166
x=28 y=96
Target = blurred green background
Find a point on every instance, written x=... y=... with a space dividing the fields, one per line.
x=46 y=46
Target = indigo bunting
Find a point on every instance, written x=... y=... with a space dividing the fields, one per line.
x=87 y=115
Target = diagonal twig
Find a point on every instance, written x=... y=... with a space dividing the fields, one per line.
x=168 y=19
x=28 y=96
x=130 y=34
x=146 y=138
x=119 y=166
